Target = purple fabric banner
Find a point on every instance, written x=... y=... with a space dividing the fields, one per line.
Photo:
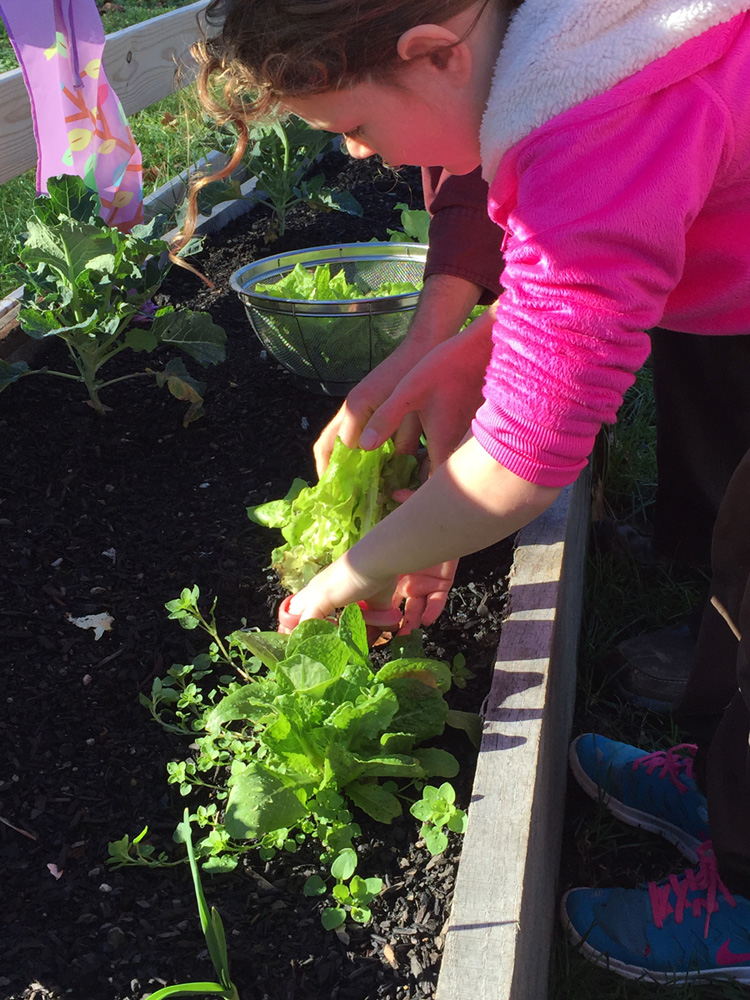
x=79 y=125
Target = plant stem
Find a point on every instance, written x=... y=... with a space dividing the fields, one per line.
x=123 y=378
x=51 y=371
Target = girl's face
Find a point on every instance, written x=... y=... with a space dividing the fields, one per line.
x=411 y=123
x=430 y=112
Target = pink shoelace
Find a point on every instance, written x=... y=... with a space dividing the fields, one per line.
x=706 y=881
x=670 y=762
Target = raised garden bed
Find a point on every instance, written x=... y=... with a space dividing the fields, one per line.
x=118 y=515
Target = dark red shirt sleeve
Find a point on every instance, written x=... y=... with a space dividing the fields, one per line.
x=464 y=241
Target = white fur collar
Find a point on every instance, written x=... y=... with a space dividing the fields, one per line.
x=559 y=53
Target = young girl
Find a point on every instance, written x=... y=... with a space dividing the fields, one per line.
x=615 y=136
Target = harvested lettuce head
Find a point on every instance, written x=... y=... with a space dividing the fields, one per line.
x=319 y=285
x=319 y=523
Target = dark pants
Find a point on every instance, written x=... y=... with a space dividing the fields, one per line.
x=716 y=706
x=702 y=390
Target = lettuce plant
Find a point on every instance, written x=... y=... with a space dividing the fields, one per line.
x=325 y=718
x=304 y=728
x=319 y=523
x=88 y=284
x=289 y=735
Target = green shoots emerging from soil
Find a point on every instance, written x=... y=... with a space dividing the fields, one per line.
x=437 y=809
x=213 y=932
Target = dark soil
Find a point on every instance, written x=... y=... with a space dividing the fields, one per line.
x=117 y=515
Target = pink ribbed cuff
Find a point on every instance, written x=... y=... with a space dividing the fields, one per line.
x=539 y=455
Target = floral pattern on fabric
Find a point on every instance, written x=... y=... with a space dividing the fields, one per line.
x=79 y=125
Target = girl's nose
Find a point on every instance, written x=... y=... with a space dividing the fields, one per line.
x=358 y=149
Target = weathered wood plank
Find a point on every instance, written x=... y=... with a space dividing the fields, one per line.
x=498 y=942
x=140 y=61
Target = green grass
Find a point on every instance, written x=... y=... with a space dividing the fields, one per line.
x=621 y=599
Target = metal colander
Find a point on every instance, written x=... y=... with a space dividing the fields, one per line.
x=331 y=345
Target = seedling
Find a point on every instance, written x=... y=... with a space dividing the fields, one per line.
x=415 y=226
x=461 y=673
x=352 y=893
x=213 y=932
x=437 y=810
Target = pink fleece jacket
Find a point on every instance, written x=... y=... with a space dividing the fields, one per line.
x=628 y=210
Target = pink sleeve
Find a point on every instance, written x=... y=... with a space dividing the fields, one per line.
x=596 y=242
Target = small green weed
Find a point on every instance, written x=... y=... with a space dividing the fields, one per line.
x=437 y=809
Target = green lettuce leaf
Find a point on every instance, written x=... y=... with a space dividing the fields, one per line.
x=319 y=523
x=320 y=285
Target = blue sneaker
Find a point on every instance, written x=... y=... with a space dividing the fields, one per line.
x=686 y=927
x=654 y=791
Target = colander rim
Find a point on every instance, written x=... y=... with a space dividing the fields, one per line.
x=276 y=264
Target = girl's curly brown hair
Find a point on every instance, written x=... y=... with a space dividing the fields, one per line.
x=266 y=50
x=272 y=49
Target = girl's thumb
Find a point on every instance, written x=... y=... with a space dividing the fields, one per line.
x=384 y=422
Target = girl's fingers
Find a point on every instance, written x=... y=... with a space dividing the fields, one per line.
x=287 y=620
x=407 y=438
x=414 y=609
x=386 y=619
x=401 y=496
x=386 y=420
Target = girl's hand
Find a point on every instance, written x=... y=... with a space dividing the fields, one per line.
x=424 y=595
x=363 y=401
x=444 y=305
x=335 y=587
x=444 y=391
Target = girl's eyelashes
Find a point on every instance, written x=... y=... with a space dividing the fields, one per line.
x=353 y=133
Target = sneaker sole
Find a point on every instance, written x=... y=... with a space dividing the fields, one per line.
x=740 y=974
x=684 y=842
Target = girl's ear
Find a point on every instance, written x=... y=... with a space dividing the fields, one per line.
x=433 y=41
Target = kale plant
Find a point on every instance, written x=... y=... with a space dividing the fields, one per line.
x=87 y=283
x=281 y=155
